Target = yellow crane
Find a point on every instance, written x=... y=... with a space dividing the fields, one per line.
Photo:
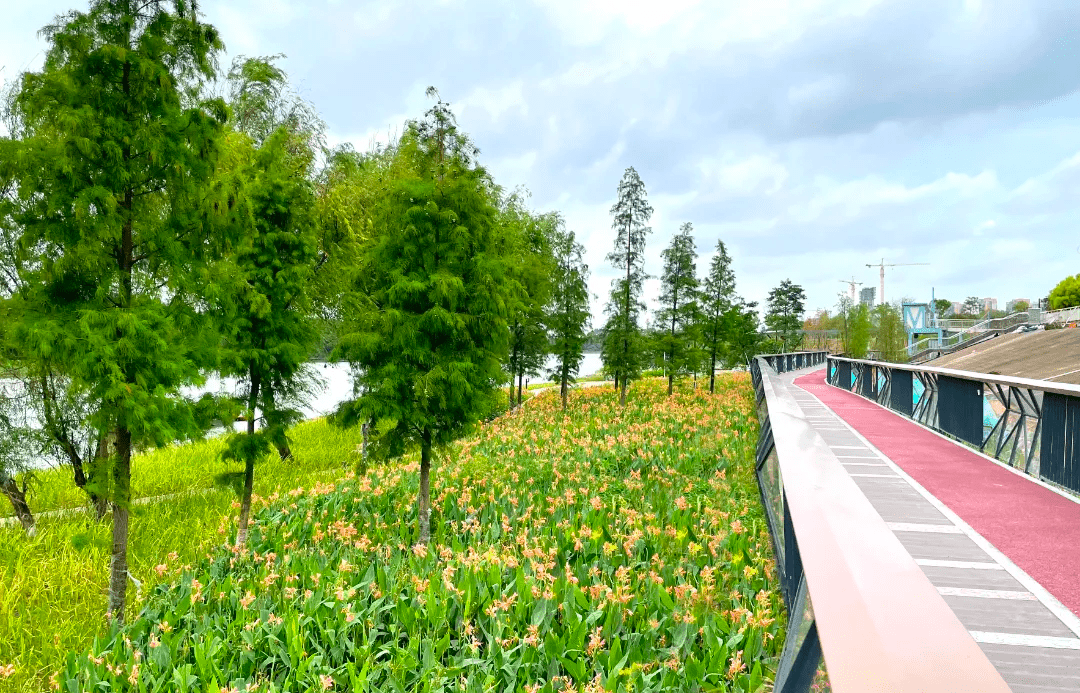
x=882 y=265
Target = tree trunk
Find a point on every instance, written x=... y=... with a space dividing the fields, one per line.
x=670 y=382
x=712 y=371
x=121 y=501
x=249 y=464
x=622 y=395
x=98 y=501
x=423 y=500
x=563 y=390
x=17 y=496
x=521 y=377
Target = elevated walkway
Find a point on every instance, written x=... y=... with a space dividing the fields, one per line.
x=1001 y=548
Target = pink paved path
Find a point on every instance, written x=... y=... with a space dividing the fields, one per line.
x=1036 y=528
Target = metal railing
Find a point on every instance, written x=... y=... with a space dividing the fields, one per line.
x=855 y=596
x=1031 y=425
x=969 y=333
x=794 y=360
x=1064 y=315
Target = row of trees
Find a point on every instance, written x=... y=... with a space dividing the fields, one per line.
x=860 y=329
x=698 y=324
x=153 y=232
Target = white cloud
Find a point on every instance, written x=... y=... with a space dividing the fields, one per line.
x=497 y=101
x=754 y=174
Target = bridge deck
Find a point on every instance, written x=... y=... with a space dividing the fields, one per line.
x=1003 y=550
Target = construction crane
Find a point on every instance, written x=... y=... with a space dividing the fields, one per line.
x=882 y=266
x=853 y=283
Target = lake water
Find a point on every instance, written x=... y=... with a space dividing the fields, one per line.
x=331 y=385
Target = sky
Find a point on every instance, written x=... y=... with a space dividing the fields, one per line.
x=812 y=136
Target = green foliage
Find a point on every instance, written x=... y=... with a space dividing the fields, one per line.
x=890 y=338
x=527 y=239
x=265 y=313
x=679 y=316
x=261 y=104
x=941 y=305
x=430 y=346
x=743 y=338
x=1066 y=294
x=622 y=331
x=972 y=306
x=717 y=308
x=785 y=314
x=53 y=587
x=112 y=175
x=568 y=312
x=566 y=556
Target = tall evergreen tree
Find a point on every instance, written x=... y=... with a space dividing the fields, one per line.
x=114 y=175
x=568 y=314
x=678 y=313
x=431 y=343
x=743 y=338
x=622 y=332
x=268 y=323
x=784 y=317
x=717 y=302
x=530 y=264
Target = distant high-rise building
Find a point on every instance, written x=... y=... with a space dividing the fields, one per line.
x=1010 y=307
x=989 y=304
x=866 y=296
x=955 y=308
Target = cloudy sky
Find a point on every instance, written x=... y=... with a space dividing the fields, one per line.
x=812 y=136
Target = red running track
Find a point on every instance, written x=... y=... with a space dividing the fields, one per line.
x=1036 y=528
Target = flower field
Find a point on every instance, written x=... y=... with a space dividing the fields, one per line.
x=604 y=548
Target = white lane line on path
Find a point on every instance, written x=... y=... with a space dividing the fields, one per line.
x=879 y=476
x=967 y=565
x=986 y=594
x=917 y=527
x=1025 y=640
x=1067 y=617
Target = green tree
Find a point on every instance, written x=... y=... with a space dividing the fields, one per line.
x=1066 y=294
x=267 y=318
x=785 y=314
x=744 y=339
x=113 y=177
x=568 y=312
x=430 y=344
x=622 y=332
x=530 y=261
x=972 y=306
x=941 y=305
x=679 y=309
x=261 y=103
x=890 y=338
x=717 y=302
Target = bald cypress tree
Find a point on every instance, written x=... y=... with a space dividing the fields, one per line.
x=677 y=316
x=630 y=214
x=717 y=304
x=112 y=176
x=432 y=337
x=568 y=314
